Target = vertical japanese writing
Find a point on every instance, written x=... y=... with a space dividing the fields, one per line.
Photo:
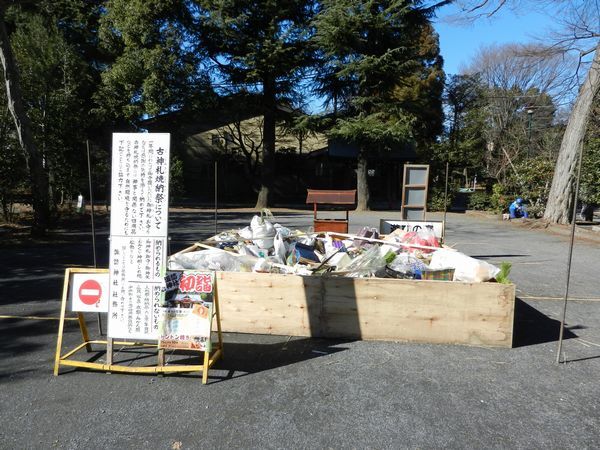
x=139 y=214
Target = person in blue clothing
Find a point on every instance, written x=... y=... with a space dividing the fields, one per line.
x=517 y=210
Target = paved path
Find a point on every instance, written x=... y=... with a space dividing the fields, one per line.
x=280 y=392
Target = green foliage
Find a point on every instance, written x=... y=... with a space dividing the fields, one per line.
x=479 y=200
x=377 y=130
x=262 y=48
x=436 y=199
x=589 y=185
x=499 y=201
x=176 y=188
x=13 y=174
x=590 y=173
x=386 y=54
x=502 y=276
x=157 y=68
x=532 y=184
x=54 y=81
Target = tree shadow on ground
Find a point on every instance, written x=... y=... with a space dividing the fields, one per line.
x=531 y=327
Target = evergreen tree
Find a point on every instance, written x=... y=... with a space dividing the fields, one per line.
x=52 y=81
x=156 y=67
x=45 y=76
x=261 y=47
x=387 y=51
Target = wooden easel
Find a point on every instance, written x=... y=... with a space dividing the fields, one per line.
x=65 y=360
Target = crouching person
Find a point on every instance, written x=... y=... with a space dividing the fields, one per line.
x=517 y=209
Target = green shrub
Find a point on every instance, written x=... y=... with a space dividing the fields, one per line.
x=479 y=200
x=499 y=200
x=436 y=199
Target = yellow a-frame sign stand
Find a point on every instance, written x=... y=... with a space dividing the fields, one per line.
x=65 y=360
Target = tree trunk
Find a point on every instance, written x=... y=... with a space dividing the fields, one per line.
x=33 y=159
x=267 y=172
x=560 y=197
x=362 y=185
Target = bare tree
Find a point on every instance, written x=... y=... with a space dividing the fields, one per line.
x=580 y=27
x=244 y=138
x=517 y=83
x=578 y=31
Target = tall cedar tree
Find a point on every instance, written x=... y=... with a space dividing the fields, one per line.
x=263 y=47
x=388 y=52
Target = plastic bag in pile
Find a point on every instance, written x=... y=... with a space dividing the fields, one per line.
x=263 y=232
x=407 y=263
x=422 y=237
x=465 y=268
x=280 y=247
x=211 y=260
x=368 y=263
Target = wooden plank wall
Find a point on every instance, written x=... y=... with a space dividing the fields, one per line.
x=478 y=314
x=268 y=303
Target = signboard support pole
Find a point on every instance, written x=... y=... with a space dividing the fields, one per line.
x=61 y=323
x=206 y=366
x=84 y=331
x=109 y=353
x=218 y=315
x=161 y=358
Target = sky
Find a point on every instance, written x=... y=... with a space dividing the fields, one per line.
x=460 y=43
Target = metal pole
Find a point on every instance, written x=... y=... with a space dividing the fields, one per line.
x=529 y=114
x=87 y=142
x=573 y=219
x=216 y=196
x=91 y=202
x=445 y=201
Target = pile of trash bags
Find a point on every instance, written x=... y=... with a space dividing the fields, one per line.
x=269 y=247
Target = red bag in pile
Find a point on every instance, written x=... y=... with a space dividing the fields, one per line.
x=424 y=237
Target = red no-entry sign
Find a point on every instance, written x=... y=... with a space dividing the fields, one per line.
x=90 y=292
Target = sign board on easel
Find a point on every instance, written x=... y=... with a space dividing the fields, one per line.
x=138 y=233
x=211 y=355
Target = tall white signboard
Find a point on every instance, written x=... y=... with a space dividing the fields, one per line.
x=138 y=232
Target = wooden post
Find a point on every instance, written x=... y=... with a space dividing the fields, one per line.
x=61 y=324
x=205 y=368
x=84 y=331
x=218 y=315
x=161 y=358
x=109 y=353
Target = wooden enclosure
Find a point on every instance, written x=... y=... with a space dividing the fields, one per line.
x=478 y=314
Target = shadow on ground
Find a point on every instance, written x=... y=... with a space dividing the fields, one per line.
x=245 y=354
x=533 y=327
x=243 y=359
